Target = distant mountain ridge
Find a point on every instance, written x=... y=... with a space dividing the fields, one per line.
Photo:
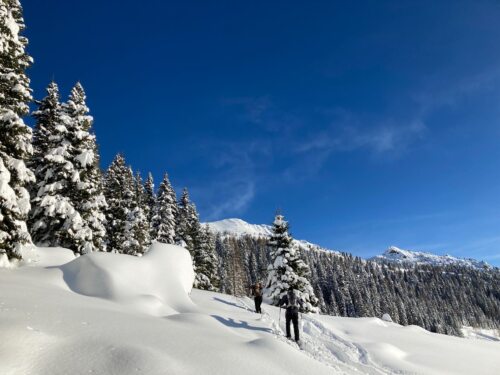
x=397 y=255
x=238 y=228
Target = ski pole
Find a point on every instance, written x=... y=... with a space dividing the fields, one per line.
x=279 y=319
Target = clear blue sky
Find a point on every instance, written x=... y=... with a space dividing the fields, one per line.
x=369 y=123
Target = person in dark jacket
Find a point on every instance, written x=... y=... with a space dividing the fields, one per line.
x=291 y=302
x=257 y=296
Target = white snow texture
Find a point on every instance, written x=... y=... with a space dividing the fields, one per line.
x=109 y=313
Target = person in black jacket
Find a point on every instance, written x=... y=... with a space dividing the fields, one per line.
x=292 y=302
x=257 y=296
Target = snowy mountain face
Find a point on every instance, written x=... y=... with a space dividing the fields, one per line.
x=239 y=228
x=397 y=255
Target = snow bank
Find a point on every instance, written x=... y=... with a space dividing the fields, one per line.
x=481 y=333
x=157 y=283
x=118 y=314
x=34 y=256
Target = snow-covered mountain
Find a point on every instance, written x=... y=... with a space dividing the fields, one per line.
x=397 y=255
x=237 y=227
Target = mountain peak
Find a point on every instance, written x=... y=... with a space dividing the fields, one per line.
x=238 y=227
x=396 y=255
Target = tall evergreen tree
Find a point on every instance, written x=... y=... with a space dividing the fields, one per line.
x=150 y=201
x=119 y=193
x=288 y=269
x=88 y=197
x=127 y=226
x=205 y=260
x=139 y=224
x=54 y=219
x=186 y=221
x=15 y=135
x=165 y=213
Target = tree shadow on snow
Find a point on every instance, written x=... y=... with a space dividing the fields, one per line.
x=229 y=322
x=229 y=303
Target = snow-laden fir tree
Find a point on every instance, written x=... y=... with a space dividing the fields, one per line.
x=127 y=226
x=205 y=260
x=119 y=193
x=288 y=269
x=150 y=201
x=138 y=224
x=15 y=135
x=187 y=222
x=54 y=220
x=88 y=197
x=165 y=212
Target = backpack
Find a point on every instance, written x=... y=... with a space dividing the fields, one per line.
x=292 y=299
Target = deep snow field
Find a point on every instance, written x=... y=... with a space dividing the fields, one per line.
x=117 y=314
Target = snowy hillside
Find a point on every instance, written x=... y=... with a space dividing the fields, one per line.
x=397 y=255
x=238 y=227
x=117 y=314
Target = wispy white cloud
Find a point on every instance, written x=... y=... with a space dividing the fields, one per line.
x=235 y=177
x=228 y=198
x=384 y=138
x=263 y=112
x=434 y=97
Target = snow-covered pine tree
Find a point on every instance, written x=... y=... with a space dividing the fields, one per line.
x=54 y=220
x=165 y=213
x=119 y=193
x=205 y=260
x=288 y=269
x=184 y=221
x=150 y=201
x=88 y=197
x=139 y=224
x=15 y=135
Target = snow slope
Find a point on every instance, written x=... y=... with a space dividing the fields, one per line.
x=238 y=227
x=117 y=314
x=397 y=255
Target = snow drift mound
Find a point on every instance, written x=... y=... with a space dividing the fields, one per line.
x=157 y=283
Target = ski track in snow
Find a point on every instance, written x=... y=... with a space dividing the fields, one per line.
x=323 y=345
x=61 y=315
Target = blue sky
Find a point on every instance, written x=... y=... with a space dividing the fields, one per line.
x=368 y=123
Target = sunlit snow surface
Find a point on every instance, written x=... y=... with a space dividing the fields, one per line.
x=118 y=314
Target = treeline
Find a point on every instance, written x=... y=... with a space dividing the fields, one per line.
x=77 y=206
x=52 y=190
x=440 y=299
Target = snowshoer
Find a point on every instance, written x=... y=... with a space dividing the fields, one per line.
x=257 y=293
x=292 y=302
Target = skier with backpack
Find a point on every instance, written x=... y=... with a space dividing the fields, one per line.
x=256 y=291
x=292 y=302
